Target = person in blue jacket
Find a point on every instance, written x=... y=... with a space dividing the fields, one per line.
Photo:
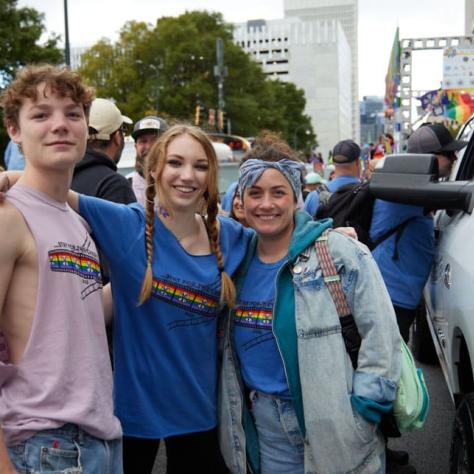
x=406 y=257
x=289 y=398
x=346 y=159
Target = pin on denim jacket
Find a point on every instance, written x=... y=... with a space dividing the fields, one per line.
x=319 y=372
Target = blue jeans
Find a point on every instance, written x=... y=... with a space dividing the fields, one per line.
x=281 y=443
x=67 y=449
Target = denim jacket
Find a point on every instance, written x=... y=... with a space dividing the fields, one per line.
x=319 y=371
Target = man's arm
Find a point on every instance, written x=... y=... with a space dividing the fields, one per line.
x=10 y=249
x=108 y=303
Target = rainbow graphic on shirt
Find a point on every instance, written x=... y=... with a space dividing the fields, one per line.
x=254 y=317
x=186 y=298
x=76 y=263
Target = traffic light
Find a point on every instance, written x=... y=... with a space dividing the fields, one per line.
x=220 y=120
x=197 y=116
x=212 y=117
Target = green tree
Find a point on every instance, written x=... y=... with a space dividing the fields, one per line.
x=297 y=129
x=20 y=33
x=168 y=69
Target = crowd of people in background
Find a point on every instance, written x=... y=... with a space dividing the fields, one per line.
x=226 y=345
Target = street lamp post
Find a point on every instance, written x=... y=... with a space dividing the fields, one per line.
x=295 y=135
x=220 y=71
x=67 y=53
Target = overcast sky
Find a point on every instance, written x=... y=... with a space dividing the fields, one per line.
x=90 y=20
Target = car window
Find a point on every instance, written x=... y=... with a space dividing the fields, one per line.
x=228 y=173
x=464 y=166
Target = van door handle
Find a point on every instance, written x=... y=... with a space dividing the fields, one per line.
x=447 y=276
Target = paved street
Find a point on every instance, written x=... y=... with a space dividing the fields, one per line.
x=428 y=448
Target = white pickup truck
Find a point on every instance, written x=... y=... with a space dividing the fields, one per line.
x=448 y=329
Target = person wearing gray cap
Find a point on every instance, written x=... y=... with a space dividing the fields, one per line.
x=145 y=133
x=436 y=139
x=346 y=159
x=406 y=257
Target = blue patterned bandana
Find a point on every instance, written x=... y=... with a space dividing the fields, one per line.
x=251 y=170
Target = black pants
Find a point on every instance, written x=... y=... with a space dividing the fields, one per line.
x=405 y=318
x=189 y=453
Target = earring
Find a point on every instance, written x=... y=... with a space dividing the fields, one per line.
x=20 y=148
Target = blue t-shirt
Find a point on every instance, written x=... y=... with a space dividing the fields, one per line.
x=260 y=360
x=165 y=351
x=13 y=158
x=406 y=276
x=311 y=203
x=228 y=198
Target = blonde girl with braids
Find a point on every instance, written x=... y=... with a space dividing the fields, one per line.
x=154 y=173
x=170 y=265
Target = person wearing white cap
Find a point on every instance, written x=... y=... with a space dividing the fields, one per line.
x=96 y=174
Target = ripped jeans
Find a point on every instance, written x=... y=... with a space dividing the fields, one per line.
x=67 y=449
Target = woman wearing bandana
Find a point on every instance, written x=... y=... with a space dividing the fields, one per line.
x=290 y=400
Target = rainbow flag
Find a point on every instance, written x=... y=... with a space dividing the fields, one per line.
x=392 y=79
x=454 y=104
x=458 y=105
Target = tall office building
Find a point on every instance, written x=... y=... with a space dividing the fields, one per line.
x=346 y=12
x=469 y=17
x=316 y=57
x=371 y=119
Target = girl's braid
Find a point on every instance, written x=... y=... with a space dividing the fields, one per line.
x=227 y=287
x=150 y=193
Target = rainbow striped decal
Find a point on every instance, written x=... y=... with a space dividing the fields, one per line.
x=77 y=263
x=189 y=299
x=255 y=318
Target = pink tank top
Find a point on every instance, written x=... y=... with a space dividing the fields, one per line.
x=64 y=375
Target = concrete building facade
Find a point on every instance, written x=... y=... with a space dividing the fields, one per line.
x=346 y=12
x=316 y=57
x=468 y=17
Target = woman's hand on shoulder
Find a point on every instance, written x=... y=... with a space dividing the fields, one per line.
x=7 y=180
x=349 y=231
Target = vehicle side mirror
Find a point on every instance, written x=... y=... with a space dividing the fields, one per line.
x=414 y=179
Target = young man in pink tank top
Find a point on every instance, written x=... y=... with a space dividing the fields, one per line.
x=56 y=409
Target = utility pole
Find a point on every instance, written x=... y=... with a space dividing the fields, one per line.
x=220 y=72
x=67 y=54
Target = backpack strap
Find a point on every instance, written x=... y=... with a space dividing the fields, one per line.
x=332 y=279
x=399 y=231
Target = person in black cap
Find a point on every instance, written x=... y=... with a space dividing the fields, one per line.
x=346 y=159
x=436 y=139
x=145 y=133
